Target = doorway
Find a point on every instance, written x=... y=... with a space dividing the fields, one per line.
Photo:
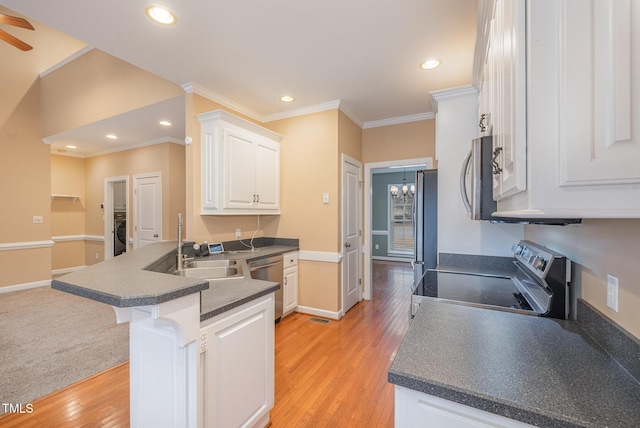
x=116 y=214
x=382 y=234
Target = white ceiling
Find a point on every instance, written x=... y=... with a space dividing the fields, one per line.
x=362 y=53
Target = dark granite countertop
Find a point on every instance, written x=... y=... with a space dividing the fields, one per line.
x=225 y=294
x=128 y=280
x=123 y=281
x=541 y=371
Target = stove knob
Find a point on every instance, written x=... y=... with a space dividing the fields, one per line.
x=539 y=263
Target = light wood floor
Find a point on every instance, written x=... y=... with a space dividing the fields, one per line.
x=327 y=375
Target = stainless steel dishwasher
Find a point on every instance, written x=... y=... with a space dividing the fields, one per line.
x=270 y=269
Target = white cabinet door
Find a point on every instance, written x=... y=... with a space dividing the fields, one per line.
x=290 y=279
x=600 y=103
x=506 y=66
x=237 y=366
x=267 y=170
x=241 y=175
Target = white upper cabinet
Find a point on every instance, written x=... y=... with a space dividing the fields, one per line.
x=582 y=110
x=502 y=93
x=240 y=166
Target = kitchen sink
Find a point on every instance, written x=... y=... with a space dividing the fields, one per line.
x=210 y=272
x=209 y=263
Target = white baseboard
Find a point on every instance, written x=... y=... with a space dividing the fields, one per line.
x=320 y=256
x=66 y=270
x=319 y=312
x=25 y=286
x=391 y=259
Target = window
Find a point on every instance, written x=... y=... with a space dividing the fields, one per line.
x=400 y=224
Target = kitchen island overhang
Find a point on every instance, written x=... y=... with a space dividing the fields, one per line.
x=164 y=312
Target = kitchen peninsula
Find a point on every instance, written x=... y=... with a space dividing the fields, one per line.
x=168 y=371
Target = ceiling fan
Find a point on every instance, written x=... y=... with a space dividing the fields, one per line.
x=16 y=22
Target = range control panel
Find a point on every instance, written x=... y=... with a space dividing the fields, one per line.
x=536 y=258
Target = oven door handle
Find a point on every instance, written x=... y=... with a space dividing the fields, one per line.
x=463 y=182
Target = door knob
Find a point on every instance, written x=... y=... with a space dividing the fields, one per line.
x=155 y=235
x=346 y=244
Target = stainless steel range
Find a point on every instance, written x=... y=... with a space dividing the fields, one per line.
x=539 y=287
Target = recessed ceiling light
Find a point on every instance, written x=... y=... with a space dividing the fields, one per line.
x=165 y=123
x=287 y=98
x=430 y=64
x=111 y=136
x=69 y=146
x=160 y=14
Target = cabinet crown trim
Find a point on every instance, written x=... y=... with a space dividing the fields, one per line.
x=238 y=121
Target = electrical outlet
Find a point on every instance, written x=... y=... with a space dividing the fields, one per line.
x=38 y=219
x=612 y=292
x=238 y=234
x=377 y=246
x=325 y=198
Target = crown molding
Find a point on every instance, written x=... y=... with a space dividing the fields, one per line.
x=398 y=120
x=66 y=61
x=195 y=88
x=443 y=94
x=153 y=142
x=330 y=105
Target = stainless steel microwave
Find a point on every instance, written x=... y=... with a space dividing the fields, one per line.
x=476 y=188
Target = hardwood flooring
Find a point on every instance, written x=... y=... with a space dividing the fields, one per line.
x=327 y=375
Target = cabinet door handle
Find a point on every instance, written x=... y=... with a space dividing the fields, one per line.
x=494 y=161
x=482 y=125
x=155 y=235
x=346 y=244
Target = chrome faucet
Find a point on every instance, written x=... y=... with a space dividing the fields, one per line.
x=180 y=259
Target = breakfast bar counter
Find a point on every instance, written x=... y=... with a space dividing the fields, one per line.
x=167 y=313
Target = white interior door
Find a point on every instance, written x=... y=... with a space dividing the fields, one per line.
x=351 y=232
x=147 y=208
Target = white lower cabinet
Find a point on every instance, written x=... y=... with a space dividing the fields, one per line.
x=290 y=285
x=415 y=409
x=236 y=370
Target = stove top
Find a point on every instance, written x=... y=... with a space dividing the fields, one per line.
x=540 y=285
x=474 y=289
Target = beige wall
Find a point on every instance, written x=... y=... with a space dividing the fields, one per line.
x=67 y=215
x=402 y=141
x=25 y=188
x=86 y=177
x=96 y=86
x=166 y=158
x=598 y=248
x=310 y=168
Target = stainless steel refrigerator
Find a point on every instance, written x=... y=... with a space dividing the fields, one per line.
x=425 y=222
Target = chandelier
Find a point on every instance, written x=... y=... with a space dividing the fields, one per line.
x=404 y=194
